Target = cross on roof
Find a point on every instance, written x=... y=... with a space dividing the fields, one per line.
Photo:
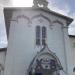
x=40 y=3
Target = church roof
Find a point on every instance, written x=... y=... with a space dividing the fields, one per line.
x=68 y=19
x=9 y=10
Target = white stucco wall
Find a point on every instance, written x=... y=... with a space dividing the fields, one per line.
x=21 y=43
x=72 y=44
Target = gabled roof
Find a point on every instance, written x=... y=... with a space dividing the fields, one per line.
x=8 y=14
x=68 y=19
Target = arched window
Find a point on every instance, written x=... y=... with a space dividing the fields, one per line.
x=41 y=35
x=38 y=35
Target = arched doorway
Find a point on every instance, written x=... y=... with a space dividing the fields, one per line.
x=45 y=63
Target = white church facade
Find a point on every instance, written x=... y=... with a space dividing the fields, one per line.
x=38 y=42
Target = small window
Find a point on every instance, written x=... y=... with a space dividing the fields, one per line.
x=43 y=35
x=38 y=35
x=43 y=32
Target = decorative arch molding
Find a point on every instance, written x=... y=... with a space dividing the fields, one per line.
x=22 y=16
x=40 y=57
x=41 y=15
x=57 y=21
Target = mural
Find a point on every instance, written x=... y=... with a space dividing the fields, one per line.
x=45 y=62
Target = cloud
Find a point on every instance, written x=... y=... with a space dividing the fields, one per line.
x=3 y=41
x=22 y=3
x=56 y=7
x=3 y=38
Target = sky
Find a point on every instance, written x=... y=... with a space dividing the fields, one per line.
x=65 y=7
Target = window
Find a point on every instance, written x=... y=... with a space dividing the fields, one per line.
x=40 y=35
x=43 y=35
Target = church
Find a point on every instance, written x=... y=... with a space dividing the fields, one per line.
x=38 y=41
